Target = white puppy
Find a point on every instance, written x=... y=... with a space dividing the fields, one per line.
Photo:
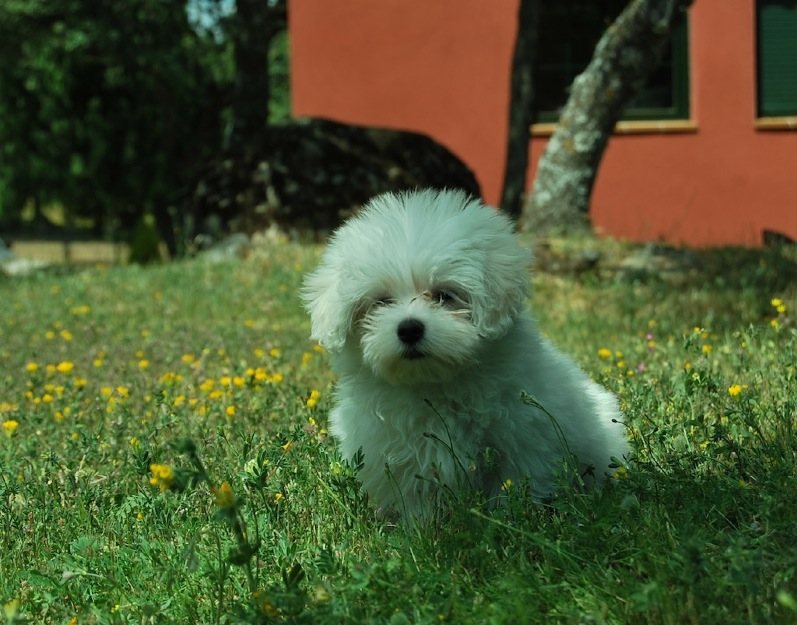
x=420 y=299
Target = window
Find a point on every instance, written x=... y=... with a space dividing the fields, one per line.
x=568 y=34
x=777 y=58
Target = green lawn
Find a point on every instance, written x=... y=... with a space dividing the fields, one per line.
x=163 y=457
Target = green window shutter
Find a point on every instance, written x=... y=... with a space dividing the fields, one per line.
x=777 y=57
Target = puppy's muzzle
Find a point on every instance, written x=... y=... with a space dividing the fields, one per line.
x=410 y=332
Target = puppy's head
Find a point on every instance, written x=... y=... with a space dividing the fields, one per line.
x=419 y=283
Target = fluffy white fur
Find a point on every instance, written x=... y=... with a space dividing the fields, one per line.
x=420 y=299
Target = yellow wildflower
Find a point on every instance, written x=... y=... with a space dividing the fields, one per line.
x=734 y=390
x=287 y=446
x=274 y=352
x=11 y=610
x=64 y=367
x=31 y=367
x=230 y=411
x=162 y=476
x=66 y=335
x=604 y=353
x=778 y=305
x=143 y=363
x=225 y=498
x=707 y=349
x=10 y=426
x=313 y=399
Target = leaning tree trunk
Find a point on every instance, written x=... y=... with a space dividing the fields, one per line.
x=624 y=58
x=521 y=108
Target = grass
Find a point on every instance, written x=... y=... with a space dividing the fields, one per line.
x=163 y=458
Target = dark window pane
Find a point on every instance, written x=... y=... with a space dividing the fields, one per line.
x=569 y=32
x=777 y=57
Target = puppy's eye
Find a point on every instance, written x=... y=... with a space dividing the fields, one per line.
x=384 y=301
x=444 y=298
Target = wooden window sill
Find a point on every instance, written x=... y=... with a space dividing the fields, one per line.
x=776 y=123
x=664 y=126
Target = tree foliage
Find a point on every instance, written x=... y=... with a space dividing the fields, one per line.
x=106 y=107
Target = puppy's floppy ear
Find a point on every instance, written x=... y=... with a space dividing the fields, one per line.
x=495 y=310
x=504 y=286
x=330 y=313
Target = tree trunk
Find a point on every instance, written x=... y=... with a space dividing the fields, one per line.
x=624 y=58
x=521 y=109
x=254 y=26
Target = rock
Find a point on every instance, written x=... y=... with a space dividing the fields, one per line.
x=12 y=266
x=18 y=267
x=657 y=261
x=233 y=246
x=5 y=253
x=773 y=238
x=311 y=174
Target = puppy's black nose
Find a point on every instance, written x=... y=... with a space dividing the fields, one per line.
x=410 y=331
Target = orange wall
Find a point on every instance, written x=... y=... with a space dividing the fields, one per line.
x=442 y=68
